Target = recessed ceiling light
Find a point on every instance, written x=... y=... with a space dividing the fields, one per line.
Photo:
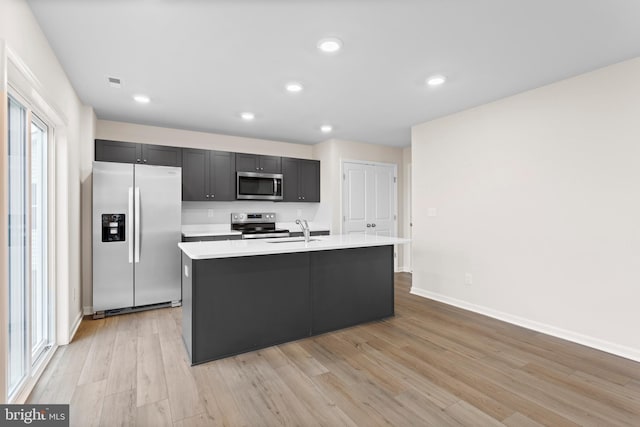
x=294 y=87
x=142 y=99
x=330 y=45
x=248 y=116
x=436 y=80
x=326 y=128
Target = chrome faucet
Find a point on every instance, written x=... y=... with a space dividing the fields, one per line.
x=305 y=229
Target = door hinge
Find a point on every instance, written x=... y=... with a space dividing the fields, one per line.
x=394 y=179
x=394 y=218
x=344 y=176
x=395 y=254
x=344 y=219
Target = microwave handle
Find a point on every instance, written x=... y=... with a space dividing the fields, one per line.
x=275 y=186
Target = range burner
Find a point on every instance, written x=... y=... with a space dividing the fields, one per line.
x=257 y=225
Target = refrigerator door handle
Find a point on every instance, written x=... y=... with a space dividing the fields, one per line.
x=136 y=243
x=130 y=232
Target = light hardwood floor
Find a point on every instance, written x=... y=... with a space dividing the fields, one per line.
x=431 y=364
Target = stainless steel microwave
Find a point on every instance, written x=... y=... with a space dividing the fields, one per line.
x=258 y=186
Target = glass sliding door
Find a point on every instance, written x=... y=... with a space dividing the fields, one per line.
x=18 y=273
x=30 y=297
x=39 y=272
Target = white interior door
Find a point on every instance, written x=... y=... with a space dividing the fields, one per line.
x=381 y=214
x=369 y=203
x=354 y=205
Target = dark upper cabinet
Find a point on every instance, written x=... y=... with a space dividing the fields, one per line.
x=120 y=152
x=129 y=152
x=161 y=155
x=208 y=175
x=222 y=175
x=195 y=165
x=258 y=163
x=301 y=180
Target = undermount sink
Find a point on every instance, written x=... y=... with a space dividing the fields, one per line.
x=301 y=239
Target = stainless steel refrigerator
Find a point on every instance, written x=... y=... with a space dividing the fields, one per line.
x=136 y=231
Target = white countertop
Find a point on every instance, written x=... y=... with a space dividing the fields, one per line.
x=201 y=230
x=239 y=248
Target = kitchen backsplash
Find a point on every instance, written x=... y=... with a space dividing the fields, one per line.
x=219 y=212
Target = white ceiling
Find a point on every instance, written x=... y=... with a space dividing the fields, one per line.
x=203 y=62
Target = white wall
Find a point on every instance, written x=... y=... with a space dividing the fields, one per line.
x=538 y=197
x=23 y=38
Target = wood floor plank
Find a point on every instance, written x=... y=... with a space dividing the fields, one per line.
x=156 y=414
x=181 y=385
x=123 y=369
x=151 y=385
x=519 y=420
x=119 y=409
x=321 y=407
x=425 y=410
x=298 y=355
x=200 y=420
x=468 y=415
x=85 y=407
x=98 y=360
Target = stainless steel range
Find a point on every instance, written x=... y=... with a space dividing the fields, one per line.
x=257 y=225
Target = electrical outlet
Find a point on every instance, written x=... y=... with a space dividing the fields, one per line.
x=210 y=213
x=468 y=279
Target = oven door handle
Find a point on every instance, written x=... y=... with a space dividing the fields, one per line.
x=275 y=186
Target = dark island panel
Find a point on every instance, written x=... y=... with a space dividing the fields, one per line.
x=351 y=286
x=246 y=303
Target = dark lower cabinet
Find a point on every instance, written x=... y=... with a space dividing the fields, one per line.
x=235 y=305
x=129 y=152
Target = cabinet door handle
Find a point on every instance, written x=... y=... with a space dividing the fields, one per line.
x=207 y=196
x=302 y=197
x=138 y=160
x=373 y=225
x=144 y=161
x=213 y=195
x=368 y=225
x=299 y=198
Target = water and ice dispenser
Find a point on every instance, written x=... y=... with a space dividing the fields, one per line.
x=113 y=228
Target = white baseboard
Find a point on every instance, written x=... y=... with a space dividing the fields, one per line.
x=609 y=347
x=87 y=310
x=75 y=326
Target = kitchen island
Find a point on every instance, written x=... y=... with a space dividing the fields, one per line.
x=242 y=295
